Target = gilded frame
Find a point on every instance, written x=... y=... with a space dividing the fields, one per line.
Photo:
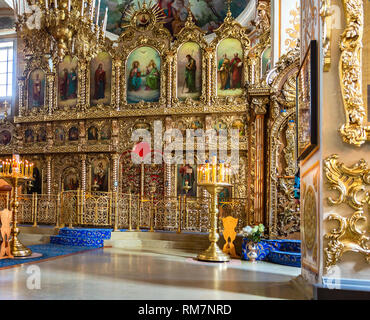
x=356 y=129
x=81 y=86
x=230 y=29
x=190 y=33
x=310 y=62
x=31 y=65
x=156 y=37
x=106 y=48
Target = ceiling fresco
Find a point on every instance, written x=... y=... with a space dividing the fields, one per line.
x=208 y=14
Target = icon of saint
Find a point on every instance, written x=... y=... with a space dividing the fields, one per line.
x=152 y=76
x=100 y=81
x=236 y=66
x=134 y=80
x=190 y=72
x=224 y=70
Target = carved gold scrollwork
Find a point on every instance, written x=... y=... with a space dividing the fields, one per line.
x=354 y=130
x=326 y=16
x=352 y=185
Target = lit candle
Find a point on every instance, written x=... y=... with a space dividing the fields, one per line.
x=97 y=13
x=46 y=4
x=207 y=172
x=214 y=169
x=82 y=8
x=69 y=5
x=56 y=4
x=222 y=172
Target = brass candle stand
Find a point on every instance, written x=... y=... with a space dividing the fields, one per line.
x=214 y=178
x=16 y=173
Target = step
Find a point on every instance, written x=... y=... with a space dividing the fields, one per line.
x=292 y=259
x=156 y=245
x=283 y=245
x=75 y=241
x=86 y=233
x=30 y=239
x=191 y=242
x=40 y=229
x=159 y=235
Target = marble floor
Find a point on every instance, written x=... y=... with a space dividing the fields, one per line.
x=112 y=273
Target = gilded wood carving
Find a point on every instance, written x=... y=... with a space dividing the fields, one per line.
x=352 y=187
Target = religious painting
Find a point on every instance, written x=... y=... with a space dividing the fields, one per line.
x=239 y=125
x=71 y=180
x=68 y=81
x=208 y=14
x=266 y=61
x=189 y=71
x=5 y=137
x=105 y=132
x=143 y=75
x=143 y=21
x=41 y=135
x=220 y=125
x=73 y=134
x=187 y=173
x=59 y=135
x=307 y=102
x=229 y=68
x=99 y=175
x=35 y=186
x=29 y=136
x=92 y=133
x=100 y=79
x=36 y=89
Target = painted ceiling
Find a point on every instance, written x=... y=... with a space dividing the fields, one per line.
x=208 y=14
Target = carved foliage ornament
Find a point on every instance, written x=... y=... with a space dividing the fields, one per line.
x=352 y=184
x=354 y=130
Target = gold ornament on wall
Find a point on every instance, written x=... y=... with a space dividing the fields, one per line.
x=352 y=184
x=354 y=131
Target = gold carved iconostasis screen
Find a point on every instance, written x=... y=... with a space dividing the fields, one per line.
x=142 y=70
x=75 y=103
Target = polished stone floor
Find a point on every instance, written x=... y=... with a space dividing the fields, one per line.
x=113 y=273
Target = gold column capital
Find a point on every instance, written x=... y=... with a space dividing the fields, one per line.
x=259 y=105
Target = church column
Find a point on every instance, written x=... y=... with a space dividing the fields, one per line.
x=83 y=178
x=117 y=68
x=170 y=67
x=168 y=167
x=259 y=106
x=83 y=87
x=48 y=174
x=115 y=158
x=50 y=92
x=21 y=84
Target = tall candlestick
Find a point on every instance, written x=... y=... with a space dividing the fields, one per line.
x=97 y=13
x=105 y=20
x=92 y=11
